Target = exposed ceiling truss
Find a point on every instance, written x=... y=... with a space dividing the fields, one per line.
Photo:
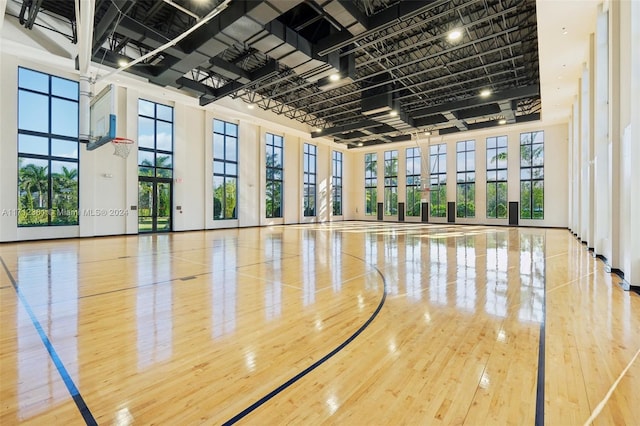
x=363 y=72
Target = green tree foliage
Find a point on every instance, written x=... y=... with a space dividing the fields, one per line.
x=413 y=200
x=465 y=205
x=33 y=184
x=438 y=202
x=274 y=186
x=225 y=200
x=65 y=196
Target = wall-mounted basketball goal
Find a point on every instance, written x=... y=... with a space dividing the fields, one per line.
x=102 y=126
x=102 y=123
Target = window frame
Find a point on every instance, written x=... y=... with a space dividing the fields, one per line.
x=495 y=146
x=413 y=182
x=465 y=178
x=161 y=172
x=309 y=179
x=371 y=183
x=438 y=180
x=227 y=166
x=336 y=187
x=391 y=182
x=51 y=210
x=535 y=172
x=273 y=170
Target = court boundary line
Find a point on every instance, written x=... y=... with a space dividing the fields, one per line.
x=596 y=411
x=64 y=374
x=539 y=419
x=319 y=362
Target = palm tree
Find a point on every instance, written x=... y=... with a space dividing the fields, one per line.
x=65 y=193
x=32 y=179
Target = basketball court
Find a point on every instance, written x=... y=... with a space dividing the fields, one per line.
x=316 y=212
x=347 y=323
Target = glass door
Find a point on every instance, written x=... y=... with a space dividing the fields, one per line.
x=154 y=204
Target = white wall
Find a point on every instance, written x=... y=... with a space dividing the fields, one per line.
x=610 y=109
x=556 y=188
x=109 y=183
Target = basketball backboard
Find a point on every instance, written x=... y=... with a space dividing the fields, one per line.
x=103 y=118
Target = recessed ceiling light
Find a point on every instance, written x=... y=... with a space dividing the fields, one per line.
x=393 y=113
x=334 y=77
x=502 y=121
x=485 y=92
x=123 y=62
x=250 y=106
x=454 y=35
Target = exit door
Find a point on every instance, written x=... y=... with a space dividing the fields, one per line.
x=154 y=204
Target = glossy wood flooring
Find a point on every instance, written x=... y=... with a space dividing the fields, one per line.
x=349 y=323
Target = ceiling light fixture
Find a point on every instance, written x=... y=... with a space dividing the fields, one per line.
x=250 y=106
x=334 y=77
x=427 y=133
x=393 y=113
x=485 y=93
x=502 y=121
x=454 y=35
x=122 y=62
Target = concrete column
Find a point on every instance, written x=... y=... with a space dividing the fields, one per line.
x=632 y=270
x=575 y=161
x=614 y=132
x=602 y=198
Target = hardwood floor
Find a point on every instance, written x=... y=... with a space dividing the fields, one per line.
x=348 y=323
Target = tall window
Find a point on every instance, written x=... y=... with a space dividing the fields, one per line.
x=47 y=149
x=413 y=181
x=497 y=177
x=391 y=182
x=274 y=175
x=225 y=170
x=337 y=183
x=438 y=176
x=466 y=186
x=155 y=139
x=309 y=193
x=371 y=183
x=532 y=175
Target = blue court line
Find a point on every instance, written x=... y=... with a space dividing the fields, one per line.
x=316 y=364
x=68 y=381
x=541 y=355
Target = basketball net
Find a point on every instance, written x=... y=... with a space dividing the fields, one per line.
x=122 y=147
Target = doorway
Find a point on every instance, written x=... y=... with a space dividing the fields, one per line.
x=154 y=204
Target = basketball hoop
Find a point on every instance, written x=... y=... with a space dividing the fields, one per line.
x=122 y=146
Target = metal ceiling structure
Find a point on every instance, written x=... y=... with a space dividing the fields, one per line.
x=363 y=72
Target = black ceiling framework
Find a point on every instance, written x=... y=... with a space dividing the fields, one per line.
x=279 y=55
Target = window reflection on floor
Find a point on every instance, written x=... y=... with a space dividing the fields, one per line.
x=531 y=277
x=49 y=285
x=224 y=288
x=497 y=263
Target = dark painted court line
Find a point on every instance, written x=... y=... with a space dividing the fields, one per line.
x=68 y=381
x=541 y=351
x=316 y=364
